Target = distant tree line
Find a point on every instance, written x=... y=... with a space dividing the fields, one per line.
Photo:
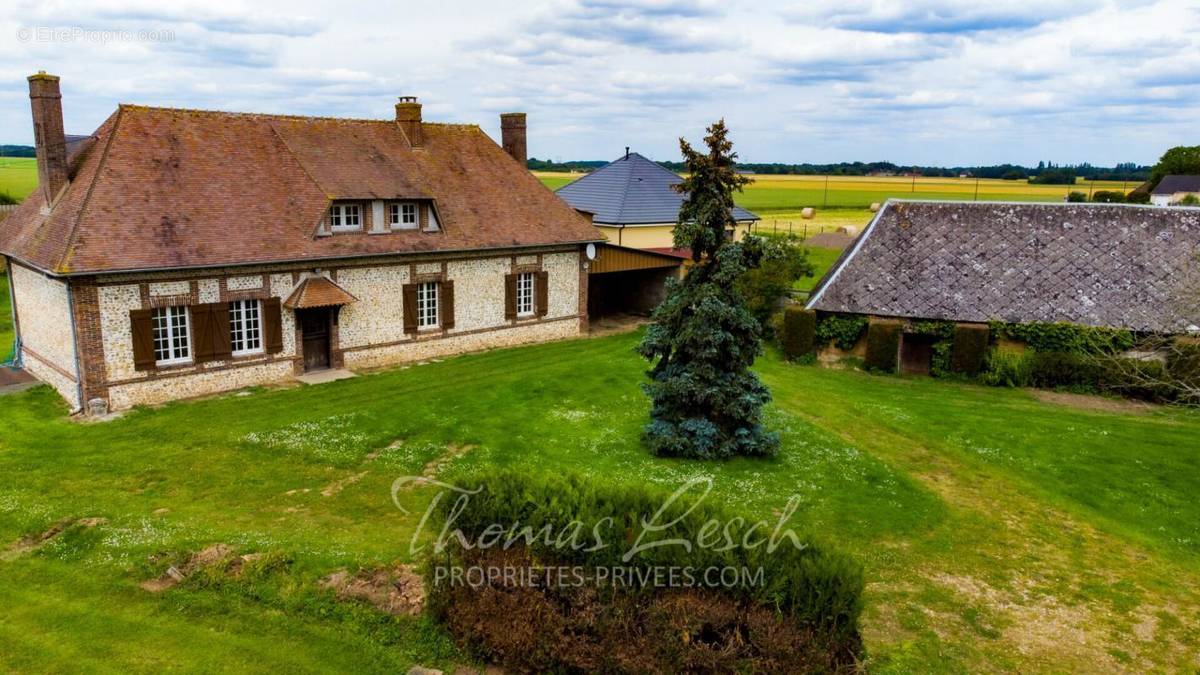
x=1044 y=172
x=17 y=151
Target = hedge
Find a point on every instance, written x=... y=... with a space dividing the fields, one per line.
x=970 y=348
x=811 y=586
x=883 y=345
x=799 y=332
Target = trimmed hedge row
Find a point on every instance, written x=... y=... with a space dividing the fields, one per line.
x=970 y=348
x=799 y=332
x=883 y=345
x=813 y=586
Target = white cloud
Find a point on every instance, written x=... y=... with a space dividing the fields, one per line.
x=926 y=81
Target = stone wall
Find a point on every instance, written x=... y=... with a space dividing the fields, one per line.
x=369 y=332
x=43 y=316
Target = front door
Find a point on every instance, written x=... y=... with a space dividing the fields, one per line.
x=314 y=325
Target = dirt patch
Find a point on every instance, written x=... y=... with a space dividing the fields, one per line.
x=835 y=240
x=32 y=542
x=453 y=452
x=337 y=486
x=211 y=556
x=399 y=591
x=1094 y=403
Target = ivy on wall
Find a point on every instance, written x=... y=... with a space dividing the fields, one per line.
x=844 y=330
x=1067 y=338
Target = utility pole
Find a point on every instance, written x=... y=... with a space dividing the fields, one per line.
x=825 y=199
x=976 y=188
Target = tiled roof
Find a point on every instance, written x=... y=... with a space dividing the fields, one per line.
x=163 y=188
x=318 y=292
x=1092 y=264
x=631 y=191
x=1169 y=185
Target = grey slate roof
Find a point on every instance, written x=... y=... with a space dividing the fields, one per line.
x=1169 y=185
x=1093 y=264
x=630 y=191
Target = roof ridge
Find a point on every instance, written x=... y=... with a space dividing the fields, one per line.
x=87 y=199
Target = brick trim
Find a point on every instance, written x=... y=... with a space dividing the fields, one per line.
x=89 y=340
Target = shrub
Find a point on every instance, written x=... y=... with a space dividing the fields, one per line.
x=1108 y=196
x=1005 y=369
x=1138 y=197
x=805 y=610
x=970 y=348
x=883 y=345
x=799 y=332
x=784 y=261
x=1189 y=200
x=7 y=199
x=844 y=330
x=1075 y=196
x=1183 y=363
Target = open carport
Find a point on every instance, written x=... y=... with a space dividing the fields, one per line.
x=624 y=280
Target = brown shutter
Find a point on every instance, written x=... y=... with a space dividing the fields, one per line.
x=510 y=296
x=446 y=300
x=202 y=332
x=272 y=325
x=142 y=331
x=542 y=293
x=409 y=300
x=222 y=340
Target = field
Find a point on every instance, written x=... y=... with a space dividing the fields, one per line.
x=18 y=176
x=1001 y=531
x=778 y=200
x=6 y=326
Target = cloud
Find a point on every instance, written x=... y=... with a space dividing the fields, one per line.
x=931 y=16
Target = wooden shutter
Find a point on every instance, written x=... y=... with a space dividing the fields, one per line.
x=142 y=331
x=542 y=293
x=222 y=340
x=409 y=300
x=510 y=297
x=202 y=332
x=446 y=300
x=272 y=319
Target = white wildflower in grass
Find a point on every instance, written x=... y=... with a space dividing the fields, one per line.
x=333 y=439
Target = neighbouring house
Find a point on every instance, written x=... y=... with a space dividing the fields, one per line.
x=1104 y=265
x=174 y=253
x=634 y=204
x=1172 y=189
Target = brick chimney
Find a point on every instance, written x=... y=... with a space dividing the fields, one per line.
x=46 y=101
x=512 y=135
x=408 y=116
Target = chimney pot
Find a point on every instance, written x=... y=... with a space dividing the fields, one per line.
x=408 y=116
x=512 y=136
x=45 y=99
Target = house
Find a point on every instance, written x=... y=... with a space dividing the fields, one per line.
x=1106 y=265
x=175 y=253
x=1173 y=189
x=634 y=204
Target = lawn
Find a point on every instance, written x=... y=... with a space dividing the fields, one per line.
x=821 y=259
x=999 y=532
x=18 y=176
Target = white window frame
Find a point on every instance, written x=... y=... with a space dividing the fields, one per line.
x=246 y=327
x=340 y=214
x=427 y=305
x=172 y=326
x=398 y=213
x=526 y=286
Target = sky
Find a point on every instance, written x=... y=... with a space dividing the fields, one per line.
x=928 y=82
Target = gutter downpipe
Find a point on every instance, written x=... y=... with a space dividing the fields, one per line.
x=75 y=346
x=12 y=306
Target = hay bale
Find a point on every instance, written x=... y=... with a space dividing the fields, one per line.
x=875 y=206
x=808 y=212
x=848 y=230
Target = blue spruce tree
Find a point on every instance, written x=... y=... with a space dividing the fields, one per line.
x=706 y=402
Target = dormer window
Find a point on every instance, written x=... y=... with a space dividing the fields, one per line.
x=345 y=217
x=403 y=215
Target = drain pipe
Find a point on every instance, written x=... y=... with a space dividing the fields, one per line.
x=12 y=306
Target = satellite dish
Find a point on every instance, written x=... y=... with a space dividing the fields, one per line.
x=590 y=251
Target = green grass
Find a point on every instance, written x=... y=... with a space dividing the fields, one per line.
x=985 y=517
x=18 y=176
x=821 y=259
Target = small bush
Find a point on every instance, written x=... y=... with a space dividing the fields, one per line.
x=1183 y=363
x=7 y=199
x=1137 y=197
x=1189 y=200
x=809 y=596
x=1076 y=196
x=844 y=330
x=970 y=348
x=1108 y=197
x=799 y=332
x=1005 y=369
x=883 y=345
